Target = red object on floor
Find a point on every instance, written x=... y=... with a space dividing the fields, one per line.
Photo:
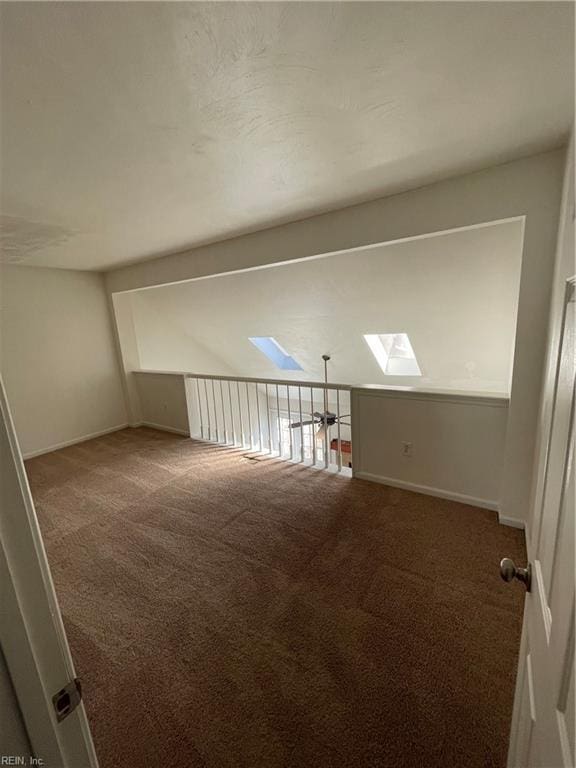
x=346 y=445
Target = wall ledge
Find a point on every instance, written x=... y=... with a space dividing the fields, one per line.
x=494 y=399
x=161 y=373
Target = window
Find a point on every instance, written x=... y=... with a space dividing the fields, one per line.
x=298 y=437
x=393 y=353
x=274 y=352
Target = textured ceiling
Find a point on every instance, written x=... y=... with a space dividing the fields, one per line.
x=455 y=295
x=135 y=129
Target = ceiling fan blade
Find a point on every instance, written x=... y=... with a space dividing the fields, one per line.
x=302 y=423
x=321 y=432
x=345 y=423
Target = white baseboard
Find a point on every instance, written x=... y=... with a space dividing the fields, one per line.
x=513 y=522
x=161 y=427
x=67 y=443
x=428 y=491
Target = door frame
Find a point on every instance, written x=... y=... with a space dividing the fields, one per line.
x=564 y=282
x=32 y=634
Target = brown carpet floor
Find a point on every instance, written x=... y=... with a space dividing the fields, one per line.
x=225 y=612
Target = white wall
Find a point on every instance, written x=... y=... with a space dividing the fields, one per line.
x=163 y=401
x=127 y=345
x=455 y=295
x=529 y=187
x=165 y=346
x=457 y=443
x=58 y=358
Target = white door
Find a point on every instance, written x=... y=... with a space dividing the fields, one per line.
x=542 y=733
x=32 y=635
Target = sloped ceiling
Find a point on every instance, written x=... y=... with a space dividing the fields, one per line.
x=130 y=130
x=454 y=294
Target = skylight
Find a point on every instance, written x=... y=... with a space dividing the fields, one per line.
x=393 y=353
x=274 y=352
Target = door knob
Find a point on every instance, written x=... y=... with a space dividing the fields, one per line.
x=508 y=571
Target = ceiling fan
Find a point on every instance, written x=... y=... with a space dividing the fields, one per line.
x=326 y=419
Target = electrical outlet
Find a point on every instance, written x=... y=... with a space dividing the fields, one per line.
x=407 y=449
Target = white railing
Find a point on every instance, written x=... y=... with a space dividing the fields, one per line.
x=301 y=421
x=445 y=443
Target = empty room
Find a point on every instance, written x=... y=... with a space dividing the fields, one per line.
x=287 y=384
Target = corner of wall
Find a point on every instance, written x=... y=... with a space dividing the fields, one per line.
x=120 y=305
